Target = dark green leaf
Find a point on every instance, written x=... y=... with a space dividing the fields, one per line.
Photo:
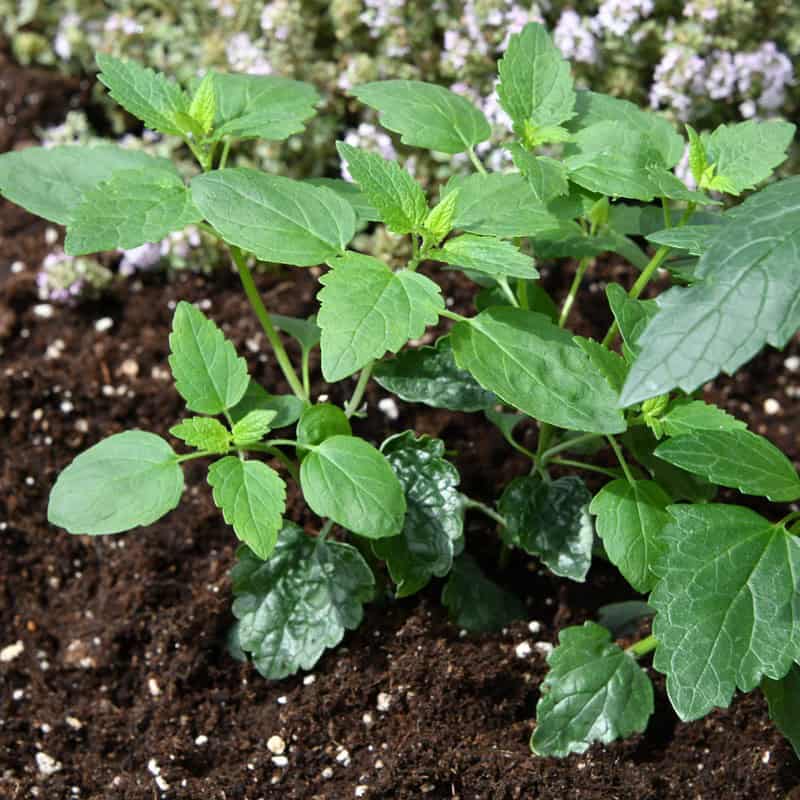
x=623 y=619
x=610 y=365
x=305 y=331
x=783 y=697
x=320 y=422
x=287 y=407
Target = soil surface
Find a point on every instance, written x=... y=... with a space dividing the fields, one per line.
x=123 y=689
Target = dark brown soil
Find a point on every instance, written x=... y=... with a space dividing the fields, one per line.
x=124 y=667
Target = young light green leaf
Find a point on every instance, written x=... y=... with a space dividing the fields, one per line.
x=476 y=603
x=535 y=366
x=593 y=107
x=687 y=416
x=322 y=421
x=261 y=106
x=632 y=315
x=594 y=692
x=299 y=602
x=728 y=612
x=204 y=433
x=550 y=521
x=608 y=363
x=203 y=108
x=439 y=221
x=698 y=161
x=398 y=197
x=287 y=407
x=348 y=480
x=746 y=153
x=367 y=310
x=630 y=518
x=695 y=239
x=275 y=218
x=146 y=94
x=426 y=115
x=130 y=209
x=783 y=697
x=208 y=374
x=253 y=427
x=50 y=182
x=487 y=254
x=252 y=497
x=129 y=479
x=736 y=458
x=499 y=204
x=536 y=87
x=431 y=376
x=435 y=516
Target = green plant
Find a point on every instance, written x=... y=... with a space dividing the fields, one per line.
x=720 y=576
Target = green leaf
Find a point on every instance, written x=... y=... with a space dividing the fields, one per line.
x=287 y=407
x=348 y=480
x=535 y=81
x=277 y=219
x=253 y=427
x=501 y=205
x=203 y=433
x=745 y=295
x=746 y=153
x=367 y=310
x=783 y=697
x=632 y=315
x=208 y=374
x=623 y=619
x=630 y=518
x=320 y=422
x=505 y=422
x=614 y=159
x=608 y=363
x=434 y=517
x=687 y=416
x=252 y=497
x=736 y=458
x=728 y=611
x=546 y=176
x=695 y=239
x=50 y=182
x=550 y=521
x=475 y=603
x=365 y=211
x=300 y=602
x=535 y=366
x=261 y=106
x=426 y=115
x=439 y=221
x=305 y=331
x=146 y=94
x=398 y=198
x=430 y=375
x=488 y=254
x=593 y=107
x=203 y=108
x=669 y=185
x=130 y=209
x=698 y=161
x=594 y=692
x=129 y=479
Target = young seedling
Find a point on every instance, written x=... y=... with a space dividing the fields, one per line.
x=720 y=577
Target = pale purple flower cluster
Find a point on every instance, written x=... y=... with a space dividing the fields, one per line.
x=617 y=17
x=176 y=250
x=369 y=137
x=703 y=10
x=244 y=55
x=496 y=157
x=380 y=15
x=225 y=8
x=66 y=280
x=273 y=22
x=574 y=38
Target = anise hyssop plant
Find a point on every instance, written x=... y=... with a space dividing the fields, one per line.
x=593 y=174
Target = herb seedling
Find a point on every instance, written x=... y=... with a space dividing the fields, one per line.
x=720 y=577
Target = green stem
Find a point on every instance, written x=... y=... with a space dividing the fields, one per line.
x=643 y=647
x=568 y=462
x=667 y=212
x=249 y=286
x=358 y=393
x=476 y=162
x=484 y=509
x=522 y=293
x=286 y=443
x=621 y=458
x=199 y=454
x=452 y=315
x=287 y=462
x=789 y=518
x=324 y=531
x=305 y=369
x=502 y=282
x=223 y=159
x=569 y=301
x=569 y=444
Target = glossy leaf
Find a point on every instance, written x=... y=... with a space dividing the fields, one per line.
x=535 y=366
x=208 y=374
x=275 y=218
x=488 y=254
x=348 y=480
x=129 y=479
x=630 y=518
x=550 y=521
x=300 y=602
x=728 y=612
x=431 y=376
x=783 y=697
x=594 y=692
x=382 y=314
x=426 y=115
x=320 y=422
